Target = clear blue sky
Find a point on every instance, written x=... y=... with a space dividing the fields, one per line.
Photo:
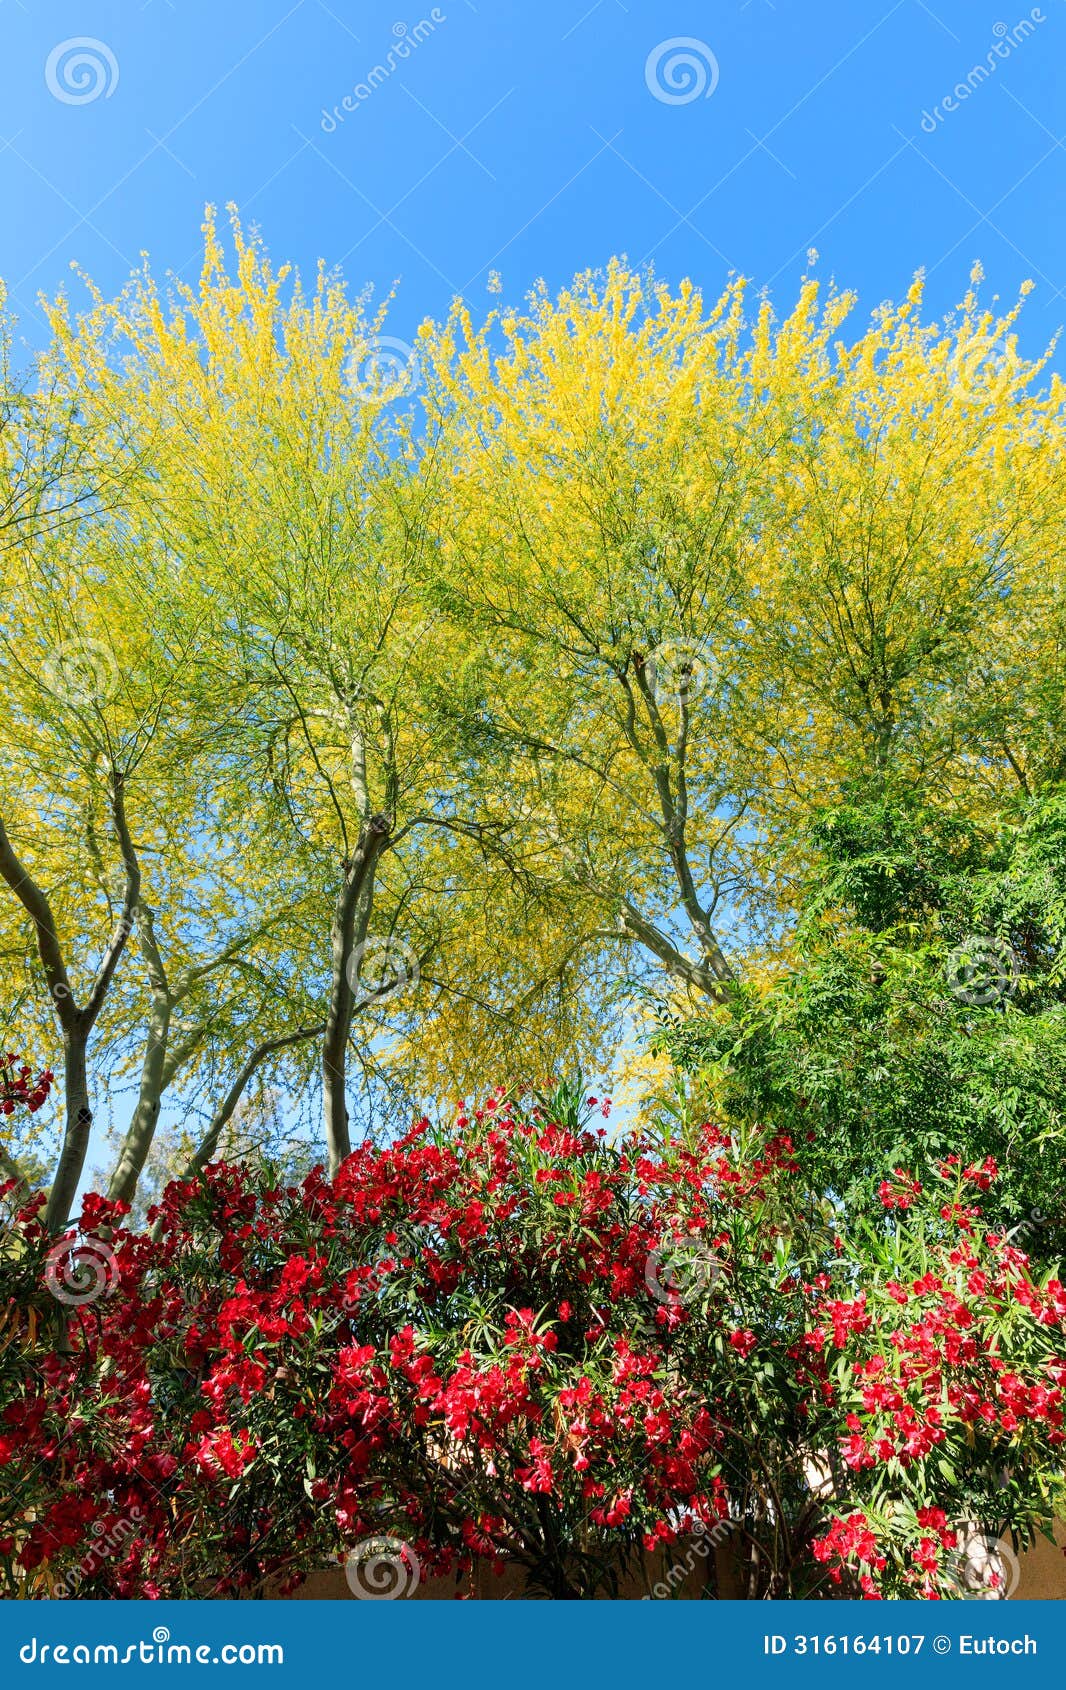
x=525 y=138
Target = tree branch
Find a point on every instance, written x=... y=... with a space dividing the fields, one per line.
x=35 y=903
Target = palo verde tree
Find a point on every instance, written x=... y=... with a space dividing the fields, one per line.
x=66 y=761
x=295 y=513
x=720 y=567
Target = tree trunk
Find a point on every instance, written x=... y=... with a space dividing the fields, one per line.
x=141 y=1130
x=11 y=1170
x=78 y=1126
x=355 y=891
x=208 y=1146
x=76 y=1022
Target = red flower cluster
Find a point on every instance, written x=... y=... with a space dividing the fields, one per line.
x=901 y=1191
x=851 y=1540
x=928 y=1376
x=20 y=1088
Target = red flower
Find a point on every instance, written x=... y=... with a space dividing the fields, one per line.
x=538 y=1475
x=900 y=1192
x=743 y=1341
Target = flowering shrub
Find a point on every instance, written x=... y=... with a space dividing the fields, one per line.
x=951 y=1387
x=511 y=1339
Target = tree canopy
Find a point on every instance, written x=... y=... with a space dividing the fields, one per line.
x=363 y=735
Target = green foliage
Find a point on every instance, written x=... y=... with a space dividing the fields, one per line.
x=925 y=1014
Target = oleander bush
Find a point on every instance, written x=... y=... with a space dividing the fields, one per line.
x=513 y=1338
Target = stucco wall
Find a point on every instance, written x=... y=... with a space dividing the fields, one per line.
x=1043 y=1578
x=1044 y=1570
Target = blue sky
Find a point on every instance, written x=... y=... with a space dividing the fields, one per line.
x=533 y=140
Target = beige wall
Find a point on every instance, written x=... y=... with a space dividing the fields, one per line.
x=1043 y=1577
x=1044 y=1570
x=485 y=1586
